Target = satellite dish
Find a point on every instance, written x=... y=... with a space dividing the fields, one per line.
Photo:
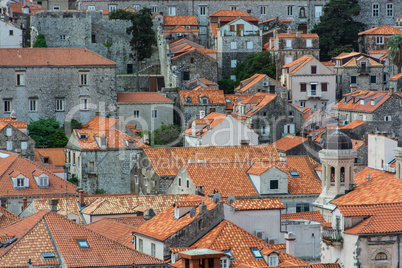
x=192 y=212
x=174 y=68
x=231 y=199
x=216 y=198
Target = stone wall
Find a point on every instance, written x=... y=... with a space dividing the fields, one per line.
x=188 y=235
x=392 y=107
x=197 y=63
x=46 y=84
x=17 y=137
x=191 y=112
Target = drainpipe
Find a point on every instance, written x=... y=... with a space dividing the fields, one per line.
x=398 y=240
x=312 y=236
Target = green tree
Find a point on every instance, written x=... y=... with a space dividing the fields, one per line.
x=143 y=38
x=395 y=50
x=47 y=133
x=165 y=135
x=254 y=63
x=120 y=14
x=341 y=49
x=40 y=41
x=227 y=85
x=337 y=27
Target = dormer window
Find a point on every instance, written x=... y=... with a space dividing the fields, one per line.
x=19 y=180
x=229 y=252
x=187 y=99
x=204 y=100
x=273 y=259
x=42 y=180
x=103 y=141
x=82 y=136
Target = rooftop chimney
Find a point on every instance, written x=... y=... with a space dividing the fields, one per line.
x=13 y=115
x=202 y=208
x=244 y=142
x=391 y=91
x=81 y=196
x=53 y=204
x=298 y=35
x=290 y=243
x=24 y=203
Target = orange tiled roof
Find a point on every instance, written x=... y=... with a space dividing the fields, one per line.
x=180 y=20
x=378 y=190
x=114 y=139
x=357 y=144
x=288 y=142
x=51 y=57
x=214 y=96
x=300 y=61
x=100 y=122
x=354 y=62
x=56 y=156
x=181 y=29
x=226 y=178
x=308 y=216
x=361 y=176
x=382 y=218
x=56 y=234
x=260 y=99
x=378 y=52
x=210 y=121
x=121 y=232
x=214 y=27
x=397 y=76
x=7 y=218
x=382 y=30
x=249 y=82
x=281 y=20
x=191 y=49
x=324 y=265
x=354 y=124
x=136 y=221
x=14 y=123
x=258 y=204
x=379 y=96
x=17 y=164
x=141 y=97
x=234 y=98
x=207 y=82
x=106 y=207
x=328 y=63
x=167 y=161
x=228 y=235
x=164 y=225
x=229 y=13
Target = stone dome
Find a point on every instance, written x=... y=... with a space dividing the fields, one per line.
x=338 y=141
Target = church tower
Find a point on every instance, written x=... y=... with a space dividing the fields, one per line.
x=337 y=160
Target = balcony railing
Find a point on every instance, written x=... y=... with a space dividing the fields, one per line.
x=331 y=235
x=314 y=93
x=364 y=70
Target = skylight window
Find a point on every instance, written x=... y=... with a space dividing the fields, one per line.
x=229 y=252
x=48 y=255
x=8 y=242
x=294 y=174
x=256 y=253
x=83 y=243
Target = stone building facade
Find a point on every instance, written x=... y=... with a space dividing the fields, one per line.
x=193 y=63
x=87 y=30
x=234 y=42
x=261 y=83
x=357 y=70
x=63 y=83
x=376 y=38
x=13 y=139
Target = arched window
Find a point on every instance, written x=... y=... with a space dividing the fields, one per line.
x=381 y=256
x=342 y=174
x=332 y=174
x=302 y=13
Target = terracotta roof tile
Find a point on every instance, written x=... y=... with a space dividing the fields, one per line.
x=227 y=235
x=122 y=233
x=397 y=76
x=214 y=96
x=300 y=62
x=164 y=225
x=106 y=207
x=260 y=100
x=233 y=98
x=181 y=29
x=379 y=96
x=7 y=218
x=114 y=139
x=361 y=176
x=258 y=204
x=141 y=97
x=167 y=161
x=382 y=218
x=14 y=123
x=100 y=122
x=281 y=20
x=51 y=57
x=226 y=178
x=354 y=124
x=324 y=265
x=354 y=62
x=229 y=13
x=286 y=35
x=19 y=165
x=357 y=144
x=288 y=142
x=249 y=82
x=315 y=216
x=180 y=20
x=56 y=156
x=136 y=221
x=378 y=190
x=214 y=27
x=382 y=30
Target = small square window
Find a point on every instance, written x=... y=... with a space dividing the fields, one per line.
x=233 y=7
x=303 y=87
x=24 y=145
x=154 y=9
x=11 y=32
x=353 y=79
x=313 y=69
x=233 y=63
x=290 y=10
x=84 y=104
x=62 y=37
x=136 y=114
x=82 y=243
x=91 y=7
x=294 y=174
x=112 y=8
x=172 y=11
x=373 y=79
x=233 y=45
x=249 y=45
x=379 y=40
x=48 y=255
x=273 y=184
x=324 y=87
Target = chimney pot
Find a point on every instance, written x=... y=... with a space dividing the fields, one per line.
x=53 y=204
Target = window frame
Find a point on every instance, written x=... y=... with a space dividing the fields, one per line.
x=20 y=79
x=389 y=11
x=153 y=249
x=203 y=10
x=33 y=105
x=324 y=87
x=373 y=79
x=379 y=40
x=354 y=79
x=233 y=45
x=375 y=9
x=172 y=11
x=59 y=105
x=154 y=114
x=313 y=69
x=81 y=244
x=112 y=7
x=84 y=103
x=272 y=184
x=289 y=10
x=263 y=10
x=248 y=46
x=84 y=78
x=303 y=87
x=7 y=106
x=233 y=63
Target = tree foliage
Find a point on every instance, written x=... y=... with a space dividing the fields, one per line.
x=120 y=14
x=40 y=41
x=165 y=135
x=143 y=36
x=254 y=63
x=337 y=27
x=227 y=85
x=395 y=49
x=47 y=133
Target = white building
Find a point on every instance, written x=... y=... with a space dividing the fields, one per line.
x=10 y=35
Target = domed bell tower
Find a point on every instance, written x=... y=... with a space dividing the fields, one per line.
x=337 y=160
